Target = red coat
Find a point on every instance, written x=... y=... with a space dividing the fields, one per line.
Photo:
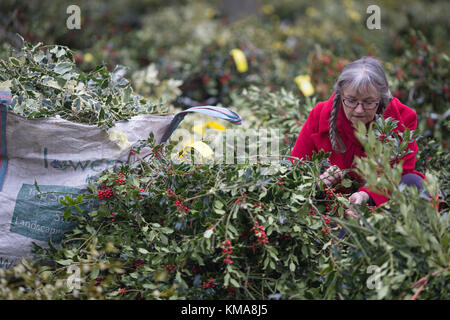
x=314 y=136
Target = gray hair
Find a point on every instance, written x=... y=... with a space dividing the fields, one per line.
x=360 y=75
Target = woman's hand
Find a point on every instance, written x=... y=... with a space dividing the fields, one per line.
x=357 y=198
x=331 y=176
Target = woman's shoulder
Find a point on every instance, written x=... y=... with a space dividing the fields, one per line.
x=315 y=117
x=320 y=114
x=317 y=109
x=401 y=112
x=323 y=108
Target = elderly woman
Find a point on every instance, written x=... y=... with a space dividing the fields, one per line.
x=361 y=92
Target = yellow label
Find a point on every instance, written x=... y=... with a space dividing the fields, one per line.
x=88 y=57
x=199 y=146
x=239 y=60
x=200 y=128
x=119 y=137
x=203 y=148
x=304 y=84
x=215 y=125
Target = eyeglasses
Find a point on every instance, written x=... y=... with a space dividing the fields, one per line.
x=352 y=103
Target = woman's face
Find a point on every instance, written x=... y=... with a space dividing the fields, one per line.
x=359 y=113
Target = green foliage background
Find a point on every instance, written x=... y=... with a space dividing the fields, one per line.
x=163 y=236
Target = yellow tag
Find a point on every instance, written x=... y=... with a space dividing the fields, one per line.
x=239 y=60
x=185 y=147
x=88 y=57
x=200 y=128
x=120 y=138
x=215 y=125
x=203 y=148
x=304 y=84
x=200 y=146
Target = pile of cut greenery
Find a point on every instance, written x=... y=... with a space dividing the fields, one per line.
x=45 y=82
x=209 y=231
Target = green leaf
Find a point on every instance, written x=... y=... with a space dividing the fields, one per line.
x=219 y=211
x=14 y=61
x=164 y=239
x=67 y=213
x=346 y=183
x=233 y=230
x=69 y=200
x=63 y=67
x=94 y=273
x=60 y=53
x=143 y=251
x=218 y=204
x=39 y=56
x=64 y=262
x=166 y=230
x=93 y=213
x=266 y=262
x=114 y=293
x=299 y=197
x=226 y=280
x=79 y=199
x=90 y=229
x=37 y=186
x=292 y=267
x=383 y=292
x=272 y=265
x=235 y=283
x=316 y=225
x=208 y=233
